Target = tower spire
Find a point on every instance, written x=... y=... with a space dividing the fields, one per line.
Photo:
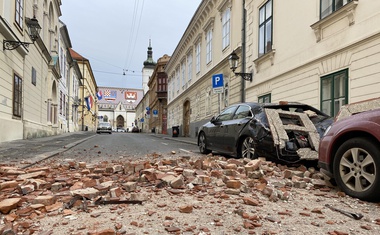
x=149 y=62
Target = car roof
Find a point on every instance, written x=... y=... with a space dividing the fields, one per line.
x=281 y=104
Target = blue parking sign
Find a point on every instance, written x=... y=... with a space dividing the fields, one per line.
x=217 y=80
x=217 y=83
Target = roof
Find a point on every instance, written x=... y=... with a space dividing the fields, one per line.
x=76 y=56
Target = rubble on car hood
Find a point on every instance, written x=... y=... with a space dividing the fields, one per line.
x=313 y=131
x=357 y=107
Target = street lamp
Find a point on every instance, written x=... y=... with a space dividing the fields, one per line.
x=234 y=61
x=33 y=31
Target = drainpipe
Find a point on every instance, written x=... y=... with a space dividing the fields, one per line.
x=243 y=52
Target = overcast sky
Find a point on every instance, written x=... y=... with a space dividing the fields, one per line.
x=114 y=34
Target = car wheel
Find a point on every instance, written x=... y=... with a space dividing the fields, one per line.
x=203 y=144
x=246 y=149
x=357 y=168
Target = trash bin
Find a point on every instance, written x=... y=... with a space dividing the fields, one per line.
x=175 y=131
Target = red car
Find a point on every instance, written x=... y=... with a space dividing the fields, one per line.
x=349 y=152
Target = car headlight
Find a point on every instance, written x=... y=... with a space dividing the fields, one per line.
x=327 y=130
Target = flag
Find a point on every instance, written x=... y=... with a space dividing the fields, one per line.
x=109 y=95
x=89 y=102
x=99 y=95
x=130 y=96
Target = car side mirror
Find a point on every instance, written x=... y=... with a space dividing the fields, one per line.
x=213 y=119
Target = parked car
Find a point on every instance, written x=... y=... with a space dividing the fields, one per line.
x=135 y=129
x=286 y=131
x=121 y=129
x=349 y=152
x=104 y=127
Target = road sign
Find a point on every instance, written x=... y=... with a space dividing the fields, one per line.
x=217 y=83
x=155 y=113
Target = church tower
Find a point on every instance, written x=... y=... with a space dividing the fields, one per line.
x=148 y=68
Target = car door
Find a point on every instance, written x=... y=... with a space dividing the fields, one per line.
x=216 y=139
x=233 y=127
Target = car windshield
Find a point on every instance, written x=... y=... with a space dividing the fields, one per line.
x=104 y=124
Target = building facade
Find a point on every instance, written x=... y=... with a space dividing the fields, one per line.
x=328 y=55
x=143 y=110
x=118 y=106
x=30 y=72
x=202 y=53
x=325 y=55
x=88 y=106
x=158 y=97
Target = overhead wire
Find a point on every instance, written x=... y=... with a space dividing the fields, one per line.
x=134 y=31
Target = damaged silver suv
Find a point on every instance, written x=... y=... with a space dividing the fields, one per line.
x=286 y=131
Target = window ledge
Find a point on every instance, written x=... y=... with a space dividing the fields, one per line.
x=263 y=58
x=346 y=11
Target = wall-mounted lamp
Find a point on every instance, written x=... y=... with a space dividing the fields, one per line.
x=33 y=30
x=234 y=61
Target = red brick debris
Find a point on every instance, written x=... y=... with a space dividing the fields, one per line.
x=67 y=187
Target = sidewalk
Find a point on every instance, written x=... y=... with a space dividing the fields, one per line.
x=31 y=151
x=37 y=149
x=187 y=140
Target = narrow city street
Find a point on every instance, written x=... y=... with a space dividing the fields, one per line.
x=136 y=183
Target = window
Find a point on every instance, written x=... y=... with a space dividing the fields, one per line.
x=17 y=96
x=265 y=28
x=209 y=46
x=60 y=102
x=162 y=83
x=65 y=107
x=334 y=89
x=330 y=6
x=189 y=66
x=173 y=86
x=198 y=57
x=226 y=28
x=34 y=76
x=265 y=98
x=227 y=114
x=20 y=12
x=183 y=73
x=242 y=112
x=177 y=78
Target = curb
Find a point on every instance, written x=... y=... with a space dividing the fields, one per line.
x=176 y=139
x=41 y=157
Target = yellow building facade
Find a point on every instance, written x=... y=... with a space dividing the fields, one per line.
x=322 y=53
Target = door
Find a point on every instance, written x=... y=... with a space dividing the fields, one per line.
x=186 y=119
x=234 y=127
x=164 y=124
x=221 y=127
